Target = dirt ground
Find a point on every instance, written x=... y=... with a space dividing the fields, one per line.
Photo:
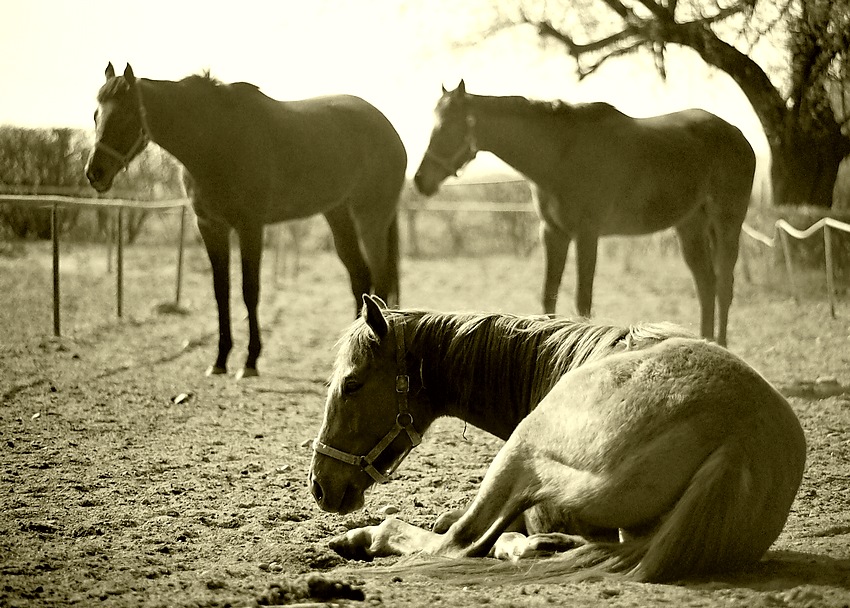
x=128 y=478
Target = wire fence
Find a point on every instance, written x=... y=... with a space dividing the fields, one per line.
x=55 y=201
x=781 y=233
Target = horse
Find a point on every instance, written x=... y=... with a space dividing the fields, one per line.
x=644 y=452
x=253 y=160
x=599 y=172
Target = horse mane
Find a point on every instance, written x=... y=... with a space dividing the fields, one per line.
x=516 y=104
x=115 y=87
x=489 y=358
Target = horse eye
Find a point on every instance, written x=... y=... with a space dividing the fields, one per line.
x=350 y=386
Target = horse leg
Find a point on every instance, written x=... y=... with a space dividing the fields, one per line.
x=216 y=238
x=586 y=251
x=380 y=249
x=505 y=492
x=556 y=244
x=693 y=236
x=251 y=249
x=348 y=250
x=725 y=258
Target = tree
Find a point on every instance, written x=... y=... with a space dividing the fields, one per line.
x=801 y=101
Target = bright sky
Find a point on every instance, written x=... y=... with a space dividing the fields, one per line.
x=53 y=54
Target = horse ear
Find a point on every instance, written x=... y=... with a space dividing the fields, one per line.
x=129 y=76
x=461 y=88
x=373 y=314
x=445 y=90
x=110 y=71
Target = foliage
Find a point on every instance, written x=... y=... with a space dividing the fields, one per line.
x=52 y=161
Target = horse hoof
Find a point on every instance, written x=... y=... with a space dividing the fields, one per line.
x=247 y=372
x=215 y=370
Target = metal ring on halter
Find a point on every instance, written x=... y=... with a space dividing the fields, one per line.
x=403 y=423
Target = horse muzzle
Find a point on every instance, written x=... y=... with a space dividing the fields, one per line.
x=425 y=185
x=329 y=498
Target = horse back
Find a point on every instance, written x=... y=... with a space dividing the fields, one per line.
x=293 y=159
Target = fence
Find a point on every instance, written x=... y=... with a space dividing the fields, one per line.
x=784 y=229
x=54 y=202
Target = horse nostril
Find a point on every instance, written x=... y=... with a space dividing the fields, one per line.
x=316 y=489
x=93 y=174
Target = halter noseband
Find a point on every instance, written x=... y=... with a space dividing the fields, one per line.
x=469 y=148
x=403 y=423
x=141 y=141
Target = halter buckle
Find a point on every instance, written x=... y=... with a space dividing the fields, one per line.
x=402 y=383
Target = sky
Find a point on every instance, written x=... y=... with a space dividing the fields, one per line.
x=53 y=54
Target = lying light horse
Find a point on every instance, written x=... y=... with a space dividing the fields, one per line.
x=255 y=161
x=599 y=172
x=668 y=441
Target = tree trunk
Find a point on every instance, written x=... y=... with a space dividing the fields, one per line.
x=805 y=166
x=805 y=160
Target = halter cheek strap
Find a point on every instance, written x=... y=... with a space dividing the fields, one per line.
x=141 y=141
x=403 y=423
x=469 y=148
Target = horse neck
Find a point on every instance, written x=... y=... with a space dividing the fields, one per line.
x=176 y=122
x=518 y=135
x=470 y=383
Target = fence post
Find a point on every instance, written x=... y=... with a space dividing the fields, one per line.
x=180 y=247
x=789 y=267
x=120 y=274
x=830 y=286
x=54 y=233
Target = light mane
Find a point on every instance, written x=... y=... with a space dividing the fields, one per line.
x=484 y=358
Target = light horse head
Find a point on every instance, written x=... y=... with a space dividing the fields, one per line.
x=375 y=412
x=452 y=143
x=121 y=129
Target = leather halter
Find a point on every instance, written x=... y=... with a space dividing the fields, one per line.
x=403 y=423
x=469 y=148
x=141 y=141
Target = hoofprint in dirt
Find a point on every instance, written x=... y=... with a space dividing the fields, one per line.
x=129 y=478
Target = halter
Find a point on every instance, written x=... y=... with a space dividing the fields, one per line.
x=141 y=141
x=403 y=423
x=469 y=147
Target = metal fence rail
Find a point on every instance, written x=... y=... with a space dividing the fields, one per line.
x=784 y=229
x=55 y=201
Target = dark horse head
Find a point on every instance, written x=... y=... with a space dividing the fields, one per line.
x=452 y=143
x=120 y=128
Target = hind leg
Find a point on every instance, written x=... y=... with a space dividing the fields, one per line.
x=380 y=248
x=725 y=258
x=556 y=245
x=696 y=249
x=348 y=250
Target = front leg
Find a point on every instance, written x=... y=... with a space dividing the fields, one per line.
x=390 y=537
x=216 y=236
x=507 y=490
x=251 y=248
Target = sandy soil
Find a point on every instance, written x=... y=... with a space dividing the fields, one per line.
x=128 y=478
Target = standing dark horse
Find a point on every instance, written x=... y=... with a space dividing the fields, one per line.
x=658 y=455
x=599 y=172
x=255 y=161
